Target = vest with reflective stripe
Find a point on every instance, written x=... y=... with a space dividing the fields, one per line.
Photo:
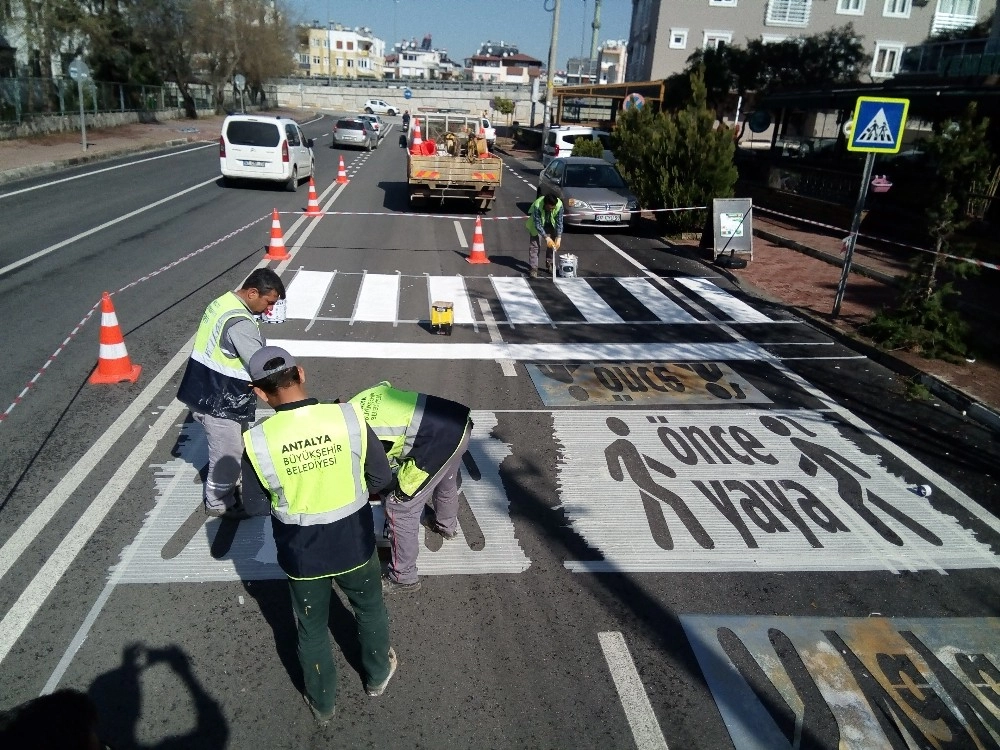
x=311 y=461
x=424 y=430
x=538 y=209
x=216 y=381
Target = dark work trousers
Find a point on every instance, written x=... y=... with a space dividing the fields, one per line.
x=404 y=517
x=311 y=602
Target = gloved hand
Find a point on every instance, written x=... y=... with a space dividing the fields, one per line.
x=550 y=243
x=558 y=241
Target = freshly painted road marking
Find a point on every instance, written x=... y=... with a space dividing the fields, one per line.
x=586 y=299
x=655 y=301
x=738 y=310
x=506 y=365
x=586 y=351
x=378 y=298
x=50 y=183
x=638 y=710
x=124 y=217
x=306 y=292
x=19 y=616
x=461 y=235
x=29 y=529
x=451 y=289
x=519 y=303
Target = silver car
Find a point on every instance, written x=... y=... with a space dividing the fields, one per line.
x=377 y=123
x=353 y=131
x=592 y=191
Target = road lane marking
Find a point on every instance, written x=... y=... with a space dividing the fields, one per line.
x=461 y=235
x=645 y=728
x=452 y=289
x=586 y=299
x=506 y=365
x=29 y=529
x=583 y=351
x=52 y=248
x=378 y=299
x=105 y=169
x=20 y=615
x=519 y=303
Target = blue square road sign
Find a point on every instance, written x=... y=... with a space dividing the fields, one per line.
x=878 y=125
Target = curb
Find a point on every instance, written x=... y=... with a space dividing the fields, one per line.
x=834 y=260
x=48 y=167
x=956 y=398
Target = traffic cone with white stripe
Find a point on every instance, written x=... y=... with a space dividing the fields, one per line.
x=312 y=208
x=276 y=250
x=342 y=173
x=113 y=363
x=478 y=247
x=418 y=140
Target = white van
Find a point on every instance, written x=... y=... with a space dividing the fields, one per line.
x=257 y=147
x=561 y=138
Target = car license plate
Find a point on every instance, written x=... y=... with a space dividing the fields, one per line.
x=254 y=163
x=608 y=217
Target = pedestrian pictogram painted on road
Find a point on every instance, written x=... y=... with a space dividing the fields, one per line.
x=878 y=125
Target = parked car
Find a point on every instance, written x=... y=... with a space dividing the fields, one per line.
x=592 y=191
x=255 y=147
x=560 y=140
x=379 y=107
x=377 y=123
x=353 y=131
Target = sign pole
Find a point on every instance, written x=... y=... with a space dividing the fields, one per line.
x=855 y=226
x=83 y=117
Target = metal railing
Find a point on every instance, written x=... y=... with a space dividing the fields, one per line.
x=23 y=98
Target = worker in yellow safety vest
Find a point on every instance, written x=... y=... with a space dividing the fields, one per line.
x=545 y=222
x=425 y=437
x=318 y=463
x=216 y=386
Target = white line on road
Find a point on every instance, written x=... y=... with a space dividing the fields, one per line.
x=461 y=235
x=645 y=729
x=29 y=529
x=105 y=225
x=50 y=183
x=506 y=365
x=17 y=619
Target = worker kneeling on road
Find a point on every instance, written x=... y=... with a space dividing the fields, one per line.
x=318 y=463
x=425 y=437
x=545 y=222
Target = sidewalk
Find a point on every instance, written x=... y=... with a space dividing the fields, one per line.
x=794 y=267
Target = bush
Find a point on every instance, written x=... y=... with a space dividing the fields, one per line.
x=588 y=147
x=675 y=160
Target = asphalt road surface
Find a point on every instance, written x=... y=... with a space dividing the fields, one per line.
x=688 y=519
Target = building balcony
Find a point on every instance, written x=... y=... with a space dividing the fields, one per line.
x=966 y=58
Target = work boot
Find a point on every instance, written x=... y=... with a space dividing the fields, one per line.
x=533 y=273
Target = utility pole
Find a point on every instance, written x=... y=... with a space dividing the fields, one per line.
x=549 y=91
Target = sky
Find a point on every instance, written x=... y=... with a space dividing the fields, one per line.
x=460 y=26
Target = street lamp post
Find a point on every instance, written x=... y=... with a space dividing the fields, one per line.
x=547 y=112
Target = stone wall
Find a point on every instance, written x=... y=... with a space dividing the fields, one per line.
x=43 y=124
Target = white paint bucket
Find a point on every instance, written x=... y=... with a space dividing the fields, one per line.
x=274 y=314
x=566 y=264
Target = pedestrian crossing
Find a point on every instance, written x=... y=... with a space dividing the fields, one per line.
x=395 y=298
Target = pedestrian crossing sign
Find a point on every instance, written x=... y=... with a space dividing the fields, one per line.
x=878 y=125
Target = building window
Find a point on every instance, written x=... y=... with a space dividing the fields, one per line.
x=896 y=9
x=788 y=12
x=315 y=61
x=340 y=44
x=716 y=39
x=304 y=59
x=954 y=15
x=885 y=62
x=851 y=7
x=959 y=7
x=678 y=38
x=340 y=62
x=350 y=62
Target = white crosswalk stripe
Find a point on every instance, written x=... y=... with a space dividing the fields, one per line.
x=395 y=298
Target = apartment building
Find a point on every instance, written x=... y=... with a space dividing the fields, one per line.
x=336 y=51
x=664 y=33
x=412 y=60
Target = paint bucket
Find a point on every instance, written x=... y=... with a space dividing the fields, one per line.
x=275 y=313
x=566 y=264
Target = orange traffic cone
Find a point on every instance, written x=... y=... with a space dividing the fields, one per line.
x=113 y=364
x=276 y=250
x=482 y=134
x=342 y=173
x=416 y=146
x=478 y=248
x=312 y=208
